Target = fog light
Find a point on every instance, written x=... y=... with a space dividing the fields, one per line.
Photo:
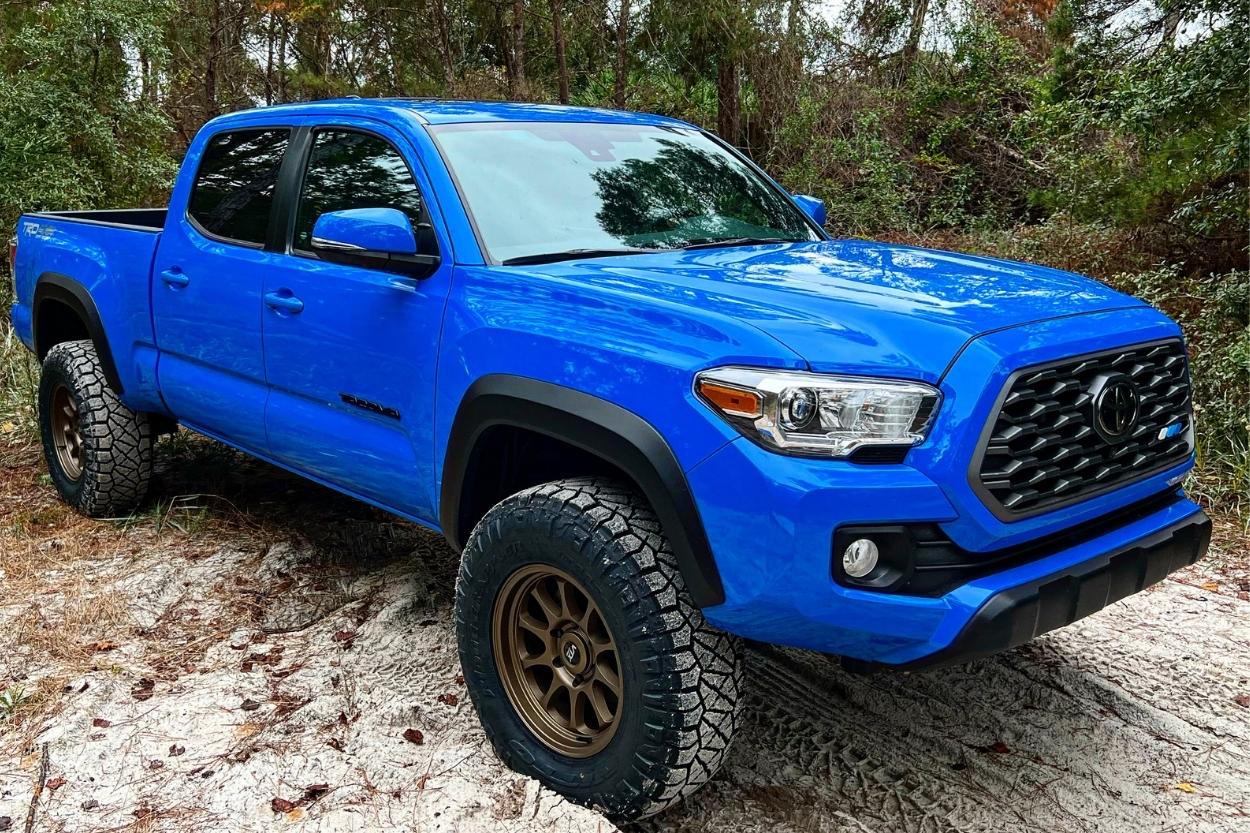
x=860 y=557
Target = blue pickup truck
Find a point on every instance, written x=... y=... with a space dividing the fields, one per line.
x=655 y=406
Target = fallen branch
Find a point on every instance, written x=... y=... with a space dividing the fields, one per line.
x=39 y=783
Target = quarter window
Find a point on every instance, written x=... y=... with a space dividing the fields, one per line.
x=234 y=190
x=353 y=170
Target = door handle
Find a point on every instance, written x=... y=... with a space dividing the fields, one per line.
x=175 y=278
x=283 y=301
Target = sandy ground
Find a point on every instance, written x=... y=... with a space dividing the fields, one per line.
x=339 y=708
x=288 y=662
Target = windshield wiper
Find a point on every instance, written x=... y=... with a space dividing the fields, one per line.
x=571 y=254
x=739 y=241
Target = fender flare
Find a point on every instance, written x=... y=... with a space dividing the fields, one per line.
x=598 y=427
x=53 y=286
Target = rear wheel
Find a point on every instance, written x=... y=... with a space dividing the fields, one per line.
x=588 y=664
x=98 y=451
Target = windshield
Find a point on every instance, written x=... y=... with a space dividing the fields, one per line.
x=538 y=188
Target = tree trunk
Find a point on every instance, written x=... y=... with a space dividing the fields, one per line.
x=794 y=17
x=444 y=43
x=312 y=45
x=147 y=90
x=793 y=44
x=1171 y=23
x=516 y=69
x=622 y=55
x=728 y=110
x=919 y=9
x=557 y=30
x=283 y=38
x=269 y=38
x=214 y=55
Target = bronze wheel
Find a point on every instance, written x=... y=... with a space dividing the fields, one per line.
x=67 y=433
x=98 y=451
x=587 y=662
x=557 y=660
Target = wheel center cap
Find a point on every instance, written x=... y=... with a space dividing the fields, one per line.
x=574 y=652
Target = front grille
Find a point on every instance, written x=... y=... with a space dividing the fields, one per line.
x=1044 y=449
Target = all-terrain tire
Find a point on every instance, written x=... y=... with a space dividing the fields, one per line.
x=115 y=453
x=678 y=708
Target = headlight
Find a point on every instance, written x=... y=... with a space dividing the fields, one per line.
x=813 y=414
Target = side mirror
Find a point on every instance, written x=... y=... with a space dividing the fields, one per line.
x=381 y=238
x=813 y=207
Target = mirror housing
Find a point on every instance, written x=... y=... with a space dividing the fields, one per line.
x=381 y=238
x=813 y=207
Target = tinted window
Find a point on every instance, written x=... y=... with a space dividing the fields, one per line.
x=536 y=188
x=235 y=187
x=353 y=170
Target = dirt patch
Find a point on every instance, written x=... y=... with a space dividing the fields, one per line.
x=275 y=656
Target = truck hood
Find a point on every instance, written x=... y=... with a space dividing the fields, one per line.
x=854 y=306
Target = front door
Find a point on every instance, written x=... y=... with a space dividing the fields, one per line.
x=206 y=286
x=350 y=351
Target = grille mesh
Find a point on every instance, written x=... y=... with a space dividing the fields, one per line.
x=1044 y=450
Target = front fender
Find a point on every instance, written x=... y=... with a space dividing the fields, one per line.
x=598 y=427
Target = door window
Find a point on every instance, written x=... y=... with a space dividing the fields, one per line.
x=346 y=170
x=234 y=189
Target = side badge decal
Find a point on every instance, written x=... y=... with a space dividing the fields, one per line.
x=366 y=405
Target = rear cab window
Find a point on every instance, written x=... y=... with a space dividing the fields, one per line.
x=236 y=185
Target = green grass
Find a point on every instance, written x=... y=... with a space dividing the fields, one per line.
x=11 y=699
x=186 y=514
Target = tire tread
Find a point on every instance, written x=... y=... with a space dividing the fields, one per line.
x=117 y=441
x=694 y=672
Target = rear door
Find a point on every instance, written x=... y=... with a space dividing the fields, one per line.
x=208 y=276
x=350 y=351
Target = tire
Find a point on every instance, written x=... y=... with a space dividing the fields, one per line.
x=105 y=471
x=680 y=679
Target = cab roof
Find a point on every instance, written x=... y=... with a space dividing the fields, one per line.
x=443 y=111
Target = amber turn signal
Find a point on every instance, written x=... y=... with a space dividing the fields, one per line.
x=732 y=401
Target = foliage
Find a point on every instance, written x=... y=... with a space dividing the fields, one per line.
x=1159 y=138
x=1212 y=309
x=73 y=131
x=19 y=375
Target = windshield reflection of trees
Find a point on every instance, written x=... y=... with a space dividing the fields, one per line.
x=687 y=194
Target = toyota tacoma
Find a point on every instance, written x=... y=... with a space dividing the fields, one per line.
x=656 y=407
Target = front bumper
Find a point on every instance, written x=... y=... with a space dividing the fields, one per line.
x=1021 y=613
x=770 y=521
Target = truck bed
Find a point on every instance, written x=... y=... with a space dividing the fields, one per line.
x=108 y=255
x=140 y=219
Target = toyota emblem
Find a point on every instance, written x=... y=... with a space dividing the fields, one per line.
x=1116 y=403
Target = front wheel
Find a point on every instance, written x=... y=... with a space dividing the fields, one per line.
x=588 y=664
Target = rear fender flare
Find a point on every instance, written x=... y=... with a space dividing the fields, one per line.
x=53 y=286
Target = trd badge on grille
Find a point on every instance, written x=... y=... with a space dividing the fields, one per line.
x=1116 y=402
